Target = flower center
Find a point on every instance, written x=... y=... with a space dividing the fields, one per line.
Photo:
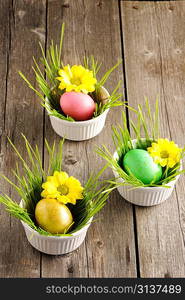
x=63 y=189
x=164 y=154
x=76 y=81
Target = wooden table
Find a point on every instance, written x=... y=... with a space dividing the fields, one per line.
x=126 y=241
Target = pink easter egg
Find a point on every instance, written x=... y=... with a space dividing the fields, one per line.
x=79 y=106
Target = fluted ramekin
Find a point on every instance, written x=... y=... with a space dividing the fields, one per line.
x=79 y=130
x=144 y=196
x=55 y=245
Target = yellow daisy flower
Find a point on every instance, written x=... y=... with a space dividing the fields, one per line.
x=165 y=153
x=62 y=187
x=76 y=78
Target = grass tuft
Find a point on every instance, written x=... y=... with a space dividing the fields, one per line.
x=47 y=84
x=29 y=188
x=149 y=124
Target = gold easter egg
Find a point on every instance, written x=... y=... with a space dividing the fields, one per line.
x=102 y=95
x=53 y=216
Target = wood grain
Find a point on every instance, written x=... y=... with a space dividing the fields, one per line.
x=4 y=66
x=18 y=258
x=110 y=242
x=108 y=251
x=154 y=65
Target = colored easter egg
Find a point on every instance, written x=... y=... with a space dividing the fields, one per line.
x=139 y=163
x=53 y=216
x=79 y=106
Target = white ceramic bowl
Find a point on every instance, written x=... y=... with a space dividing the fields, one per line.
x=145 y=196
x=55 y=245
x=79 y=130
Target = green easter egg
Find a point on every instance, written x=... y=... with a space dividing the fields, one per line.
x=139 y=163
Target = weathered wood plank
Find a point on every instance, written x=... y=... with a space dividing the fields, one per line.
x=4 y=55
x=73 y=264
x=92 y=27
x=154 y=47
x=23 y=25
x=110 y=242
